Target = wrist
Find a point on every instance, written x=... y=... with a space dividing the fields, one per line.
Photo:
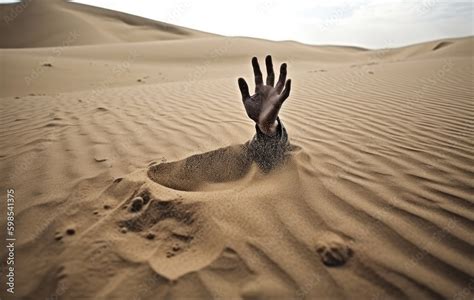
x=269 y=129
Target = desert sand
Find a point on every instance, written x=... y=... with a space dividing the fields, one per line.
x=99 y=107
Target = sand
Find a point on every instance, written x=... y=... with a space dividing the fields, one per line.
x=375 y=200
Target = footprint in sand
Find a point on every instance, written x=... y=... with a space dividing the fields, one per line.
x=137 y=204
x=333 y=251
x=146 y=213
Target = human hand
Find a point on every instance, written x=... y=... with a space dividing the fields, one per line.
x=263 y=107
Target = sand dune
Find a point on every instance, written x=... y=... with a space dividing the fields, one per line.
x=374 y=202
x=56 y=23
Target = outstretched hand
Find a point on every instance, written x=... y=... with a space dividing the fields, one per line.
x=264 y=105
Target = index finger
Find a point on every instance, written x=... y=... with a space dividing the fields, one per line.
x=257 y=72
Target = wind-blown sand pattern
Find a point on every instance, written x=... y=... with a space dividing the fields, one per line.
x=117 y=196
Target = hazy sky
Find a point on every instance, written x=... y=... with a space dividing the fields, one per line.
x=367 y=23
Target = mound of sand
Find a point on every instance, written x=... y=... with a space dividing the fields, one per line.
x=182 y=229
x=126 y=160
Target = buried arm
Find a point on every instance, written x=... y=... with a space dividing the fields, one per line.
x=270 y=142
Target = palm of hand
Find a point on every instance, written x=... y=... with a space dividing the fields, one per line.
x=263 y=107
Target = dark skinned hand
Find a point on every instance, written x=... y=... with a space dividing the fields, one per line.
x=264 y=105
